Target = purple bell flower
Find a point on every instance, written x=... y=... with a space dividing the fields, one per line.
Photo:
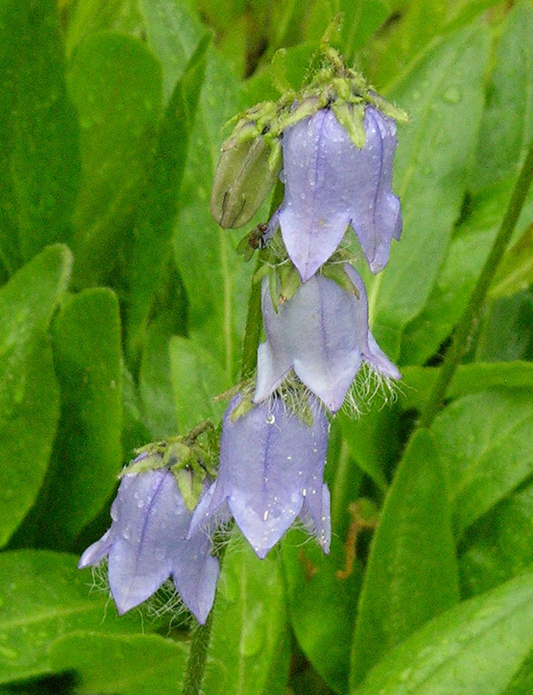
x=271 y=471
x=330 y=183
x=147 y=542
x=322 y=333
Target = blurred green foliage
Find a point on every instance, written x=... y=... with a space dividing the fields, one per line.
x=122 y=309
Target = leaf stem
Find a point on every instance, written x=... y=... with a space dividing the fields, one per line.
x=464 y=328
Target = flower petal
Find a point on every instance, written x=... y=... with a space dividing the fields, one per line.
x=330 y=183
x=268 y=459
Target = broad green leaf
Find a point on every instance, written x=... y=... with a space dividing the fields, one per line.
x=412 y=573
x=469 y=378
x=197 y=377
x=359 y=21
x=215 y=277
x=39 y=157
x=418 y=23
x=45 y=597
x=474 y=648
x=372 y=440
x=115 y=83
x=515 y=271
x=155 y=384
x=92 y=16
x=443 y=96
x=121 y=665
x=522 y=683
x=88 y=451
x=322 y=605
x=499 y=546
x=484 y=444
x=158 y=208
x=504 y=134
x=505 y=329
x=249 y=625
x=29 y=393
x=507 y=125
x=173 y=34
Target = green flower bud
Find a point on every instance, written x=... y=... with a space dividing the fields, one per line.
x=246 y=172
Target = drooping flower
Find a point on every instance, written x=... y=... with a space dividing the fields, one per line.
x=271 y=471
x=147 y=543
x=322 y=333
x=330 y=183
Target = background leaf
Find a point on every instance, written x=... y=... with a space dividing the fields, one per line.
x=475 y=648
x=29 y=393
x=412 y=574
x=44 y=597
x=249 y=636
x=115 y=83
x=121 y=665
x=39 y=157
x=444 y=97
x=88 y=450
x=484 y=444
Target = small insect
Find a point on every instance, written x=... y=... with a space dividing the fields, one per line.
x=252 y=241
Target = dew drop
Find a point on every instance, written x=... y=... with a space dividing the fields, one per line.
x=271 y=419
x=126 y=533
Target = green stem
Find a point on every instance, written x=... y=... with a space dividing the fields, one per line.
x=254 y=319
x=464 y=327
x=194 y=673
x=201 y=634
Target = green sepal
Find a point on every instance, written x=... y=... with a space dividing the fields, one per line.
x=262 y=272
x=241 y=409
x=289 y=283
x=337 y=273
x=350 y=116
x=190 y=483
x=273 y=283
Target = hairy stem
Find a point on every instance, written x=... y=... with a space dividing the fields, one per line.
x=464 y=328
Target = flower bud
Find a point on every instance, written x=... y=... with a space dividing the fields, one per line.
x=246 y=172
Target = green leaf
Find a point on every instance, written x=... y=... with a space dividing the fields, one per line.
x=249 y=628
x=372 y=440
x=29 y=393
x=155 y=384
x=88 y=452
x=92 y=16
x=505 y=132
x=469 y=378
x=475 y=648
x=158 y=208
x=515 y=271
x=505 y=329
x=44 y=597
x=115 y=83
x=173 y=34
x=121 y=665
x=39 y=157
x=215 y=278
x=499 y=545
x=484 y=443
x=322 y=606
x=197 y=377
x=412 y=571
x=443 y=96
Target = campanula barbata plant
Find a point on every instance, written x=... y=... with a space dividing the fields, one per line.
x=331 y=146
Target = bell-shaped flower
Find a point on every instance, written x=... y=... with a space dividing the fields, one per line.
x=147 y=543
x=330 y=184
x=271 y=471
x=322 y=333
